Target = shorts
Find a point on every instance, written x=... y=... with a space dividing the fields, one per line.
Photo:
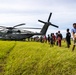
x=74 y=41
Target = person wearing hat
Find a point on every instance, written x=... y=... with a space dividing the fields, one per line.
x=74 y=35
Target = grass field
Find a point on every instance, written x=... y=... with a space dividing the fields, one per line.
x=34 y=58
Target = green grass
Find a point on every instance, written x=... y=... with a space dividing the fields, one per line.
x=34 y=58
x=5 y=49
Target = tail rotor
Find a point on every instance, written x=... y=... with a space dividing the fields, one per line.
x=46 y=25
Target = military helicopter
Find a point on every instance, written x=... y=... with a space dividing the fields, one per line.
x=12 y=33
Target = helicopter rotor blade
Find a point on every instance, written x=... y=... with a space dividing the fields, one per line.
x=41 y=21
x=18 y=25
x=54 y=25
x=29 y=28
x=2 y=27
x=49 y=17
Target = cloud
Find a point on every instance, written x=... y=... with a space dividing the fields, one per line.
x=29 y=11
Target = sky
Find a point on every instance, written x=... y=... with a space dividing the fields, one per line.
x=13 y=12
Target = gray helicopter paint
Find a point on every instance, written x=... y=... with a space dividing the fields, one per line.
x=26 y=34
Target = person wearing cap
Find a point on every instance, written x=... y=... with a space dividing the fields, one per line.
x=74 y=35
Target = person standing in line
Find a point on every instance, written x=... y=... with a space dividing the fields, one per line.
x=51 y=40
x=48 y=38
x=54 y=38
x=45 y=39
x=74 y=35
x=68 y=36
x=41 y=39
x=59 y=38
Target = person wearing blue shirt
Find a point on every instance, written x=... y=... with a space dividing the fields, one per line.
x=74 y=35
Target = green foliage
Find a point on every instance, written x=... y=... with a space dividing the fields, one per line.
x=34 y=58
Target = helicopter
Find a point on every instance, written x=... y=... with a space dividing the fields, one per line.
x=13 y=33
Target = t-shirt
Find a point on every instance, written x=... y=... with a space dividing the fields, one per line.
x=73 y=30
x=59 y=36
x=68 y=35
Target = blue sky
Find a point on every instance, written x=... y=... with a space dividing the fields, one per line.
x=13 y=12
